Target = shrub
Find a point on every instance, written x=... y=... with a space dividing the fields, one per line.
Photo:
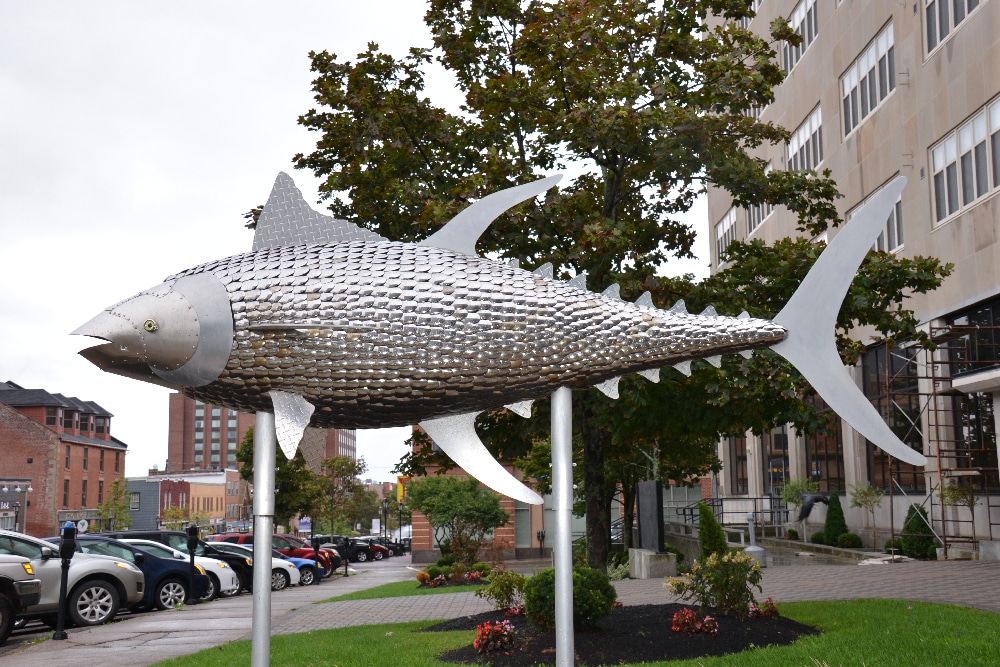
x=686 y=620
x=438 y=581
x=711 y=537
x=457 y=573
x=505 y=589
x=446 y=560
x=497 y=636
x=619 y=571
x=893 y=546
x=593 y=598
x=473 y=577
x=482 y=568
x=675 y=551
x=423 y=577
x=818 y=538
x=917 y=537
x=932 y=552
x=766 y=608
x=436 y=571
x=791 y=534
x=724 y=582
x=835 y=525
x=850 y=541
x=618 y=558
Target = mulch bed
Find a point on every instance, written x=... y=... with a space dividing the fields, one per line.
x=629 y=634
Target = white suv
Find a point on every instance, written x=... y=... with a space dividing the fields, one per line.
x=98 y=585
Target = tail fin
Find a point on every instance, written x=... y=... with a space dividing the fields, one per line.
x=810 y=317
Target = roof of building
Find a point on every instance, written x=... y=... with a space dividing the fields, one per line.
x=15 y=395
x=113 y=443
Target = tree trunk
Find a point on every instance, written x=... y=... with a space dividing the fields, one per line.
x=596 y=498
x=628 y=501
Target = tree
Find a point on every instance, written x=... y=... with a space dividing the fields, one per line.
x=711 y=537
x=115 y=512
x=835 y=525
x=342 y=505
x=917 y=538
x=174 y=518
x=297 y=490
x=646 y=102
x=460 y=511
x=869 y=498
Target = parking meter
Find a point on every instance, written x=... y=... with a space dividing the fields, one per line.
x=192 y=545
x=315 y=545
x=67 y=547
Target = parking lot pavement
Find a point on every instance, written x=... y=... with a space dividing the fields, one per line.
x=149 y=638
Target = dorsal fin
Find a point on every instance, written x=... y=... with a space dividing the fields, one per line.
x=709 y=312
x=288 y=219
x=679 y=307
x=461 y=232
x=579 y=280
x=684 y=367
x=613 y=291
x=653 y=374
x=545 y=270
x=715 y=360
x=609 y=387
x=645 y=300
x=514 y=263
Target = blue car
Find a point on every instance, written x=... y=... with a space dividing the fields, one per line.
x=167 y=579
x=310 y=571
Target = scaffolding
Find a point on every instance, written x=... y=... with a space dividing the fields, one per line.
x=956 y=430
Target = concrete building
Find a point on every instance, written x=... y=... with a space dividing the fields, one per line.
x=878 y=89
x=58 y=458
x=203 y=436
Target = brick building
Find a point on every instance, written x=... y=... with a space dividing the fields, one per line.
x=203 y=436
x=218 y=500
x=59 y=447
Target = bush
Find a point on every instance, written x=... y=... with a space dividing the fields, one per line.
x=505 y=589
x=932 y=552
x=446 y=560
x=893 y=546
x=917 y=537
x=724 y=582
x=686 y=620
x=457 y=574
x=497 y=636
x=593 y=598
x=850 y=541
x=435 y=571
x=423 y=577
x=482 y=568
x=619 y=571
x=791 y=534
x=818 y=538
x=835 y=525
x=617 y=558
x=711 y=537
x=675 y=551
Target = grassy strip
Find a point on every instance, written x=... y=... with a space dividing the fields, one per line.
x=858 y=632
x=399 y=589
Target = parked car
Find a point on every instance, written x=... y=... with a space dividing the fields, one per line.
x=394 y=548
x=167 y=580
x=177 y=539
x=288 y=545
x=97 y=585
x=349 y=548
x=284 y=573
x=19 y=589
x=222 y=579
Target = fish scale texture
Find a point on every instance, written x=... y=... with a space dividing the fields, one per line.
x=382 y=334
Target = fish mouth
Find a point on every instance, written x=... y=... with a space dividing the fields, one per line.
x=109 y=358
x=120 y=351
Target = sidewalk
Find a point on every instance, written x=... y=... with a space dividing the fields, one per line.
x=149 y=638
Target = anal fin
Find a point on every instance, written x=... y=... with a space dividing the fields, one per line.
x=291 y=417
x=456 y=436
x=609 y=387
x=522 y=408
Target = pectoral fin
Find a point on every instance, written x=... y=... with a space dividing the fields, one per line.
x=291 y=417
x=456 y=436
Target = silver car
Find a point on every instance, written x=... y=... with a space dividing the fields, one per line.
x=98 y=585
x=18 y=589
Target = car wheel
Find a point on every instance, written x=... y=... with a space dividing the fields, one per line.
x=213 y=589
x=361 y=557
x=377 y=555
x=92 y=603
x=6 y=618
x=307 y=576
x=170 y=594
x=279 y=580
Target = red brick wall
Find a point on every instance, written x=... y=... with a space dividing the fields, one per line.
x=24 y=439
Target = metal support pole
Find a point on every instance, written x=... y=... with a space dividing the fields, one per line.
x=562 y=501
x=265 y=442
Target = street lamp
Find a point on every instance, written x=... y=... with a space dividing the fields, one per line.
x=385 y=517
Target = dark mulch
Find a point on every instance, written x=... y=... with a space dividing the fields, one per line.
x=629 y=634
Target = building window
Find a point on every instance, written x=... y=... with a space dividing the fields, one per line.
x=65 y=502
x=133 y=503
x=805 y=22
x=868 y=80
x=67 y=457
x=117 y=461
x=86 y=451
x=85 y=426
x=757 y=213
x=83 y=494
x=976 y=346
x=100 y=463
x=805 y=148
x=889 y=379
x=51 y=416
x=99 y=424
x=943 y=17
x=725 y=233
x=775 y=450
x=962 y=162
x=100 y=491
x=891 y=237
x=69 y=419
x=736 y=463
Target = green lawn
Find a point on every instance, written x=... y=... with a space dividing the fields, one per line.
x=399 y=589
x=873 y=633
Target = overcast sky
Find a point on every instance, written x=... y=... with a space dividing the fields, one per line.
x=133 y=135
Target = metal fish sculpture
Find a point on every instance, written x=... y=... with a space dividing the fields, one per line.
x=329 y=325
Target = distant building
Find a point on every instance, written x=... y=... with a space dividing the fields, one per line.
x=218 y=501
x=203 y=436
x=60 y=452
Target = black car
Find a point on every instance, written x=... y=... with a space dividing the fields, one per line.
x=177 y=539
x=395 y=548
x=167 y=580
x=348 y=547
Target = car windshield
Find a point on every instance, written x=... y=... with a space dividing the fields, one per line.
x=157 y=550
x=107 y=549
x=18 y=547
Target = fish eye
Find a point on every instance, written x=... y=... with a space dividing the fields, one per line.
x=150 y=325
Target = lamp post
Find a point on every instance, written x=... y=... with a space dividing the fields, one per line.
x=18 y=489
x=385 y=517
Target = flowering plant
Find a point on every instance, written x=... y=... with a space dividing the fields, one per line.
x=473 y=577
x=765 y=608
x=686 y=620
x=439 y=580
x=516 y=610
x=491 y=636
